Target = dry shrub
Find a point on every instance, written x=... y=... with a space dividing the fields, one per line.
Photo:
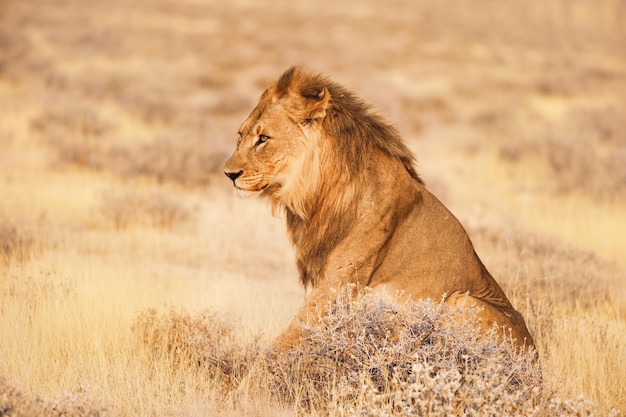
x=189 y=161
x=368 y=357
x=67 y=123
x=375 y=357
x=536 y=266
x=17 y=403
x=589 y=154
x=372 y=357
x=185 y=161
x=75 y=134
x=82 y=137
x=206 y=339
x=578 y=166
x=155 y=209
x=565 y=294
x=584 y=152
x=17 y=243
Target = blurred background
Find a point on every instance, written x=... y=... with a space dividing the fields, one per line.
x=539 y=83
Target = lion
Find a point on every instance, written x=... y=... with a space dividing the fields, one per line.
x=357 y=212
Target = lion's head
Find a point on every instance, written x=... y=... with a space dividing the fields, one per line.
x=278 y=150
x=288 y=148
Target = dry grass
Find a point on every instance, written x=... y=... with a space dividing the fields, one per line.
x=16 y=244
x=81 y=137
x=118 y=242
x=156 y=209
x=583 y=151
x=205 y=340
x=16 y=403
x=565 y=294
x=369 y=356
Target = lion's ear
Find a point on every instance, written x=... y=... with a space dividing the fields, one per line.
x=317 y=105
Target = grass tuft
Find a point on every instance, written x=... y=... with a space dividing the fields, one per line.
x=367 y=357
x=17 y=403
x=188 y=161
x=156 y=209
x=207 y=339
x=374 y=357
x=85 y=138
x=17 y=243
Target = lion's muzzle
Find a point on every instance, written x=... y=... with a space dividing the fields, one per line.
x=233 y=175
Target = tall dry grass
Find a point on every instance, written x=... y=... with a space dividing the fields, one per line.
x=368 y=356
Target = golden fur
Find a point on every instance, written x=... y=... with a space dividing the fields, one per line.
x=356 y=210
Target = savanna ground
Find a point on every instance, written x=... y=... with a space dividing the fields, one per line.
x=117 y=226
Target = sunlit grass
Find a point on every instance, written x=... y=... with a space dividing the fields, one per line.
x=593 y=225
x=581 y=219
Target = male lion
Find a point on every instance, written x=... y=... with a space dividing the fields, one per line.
x=356 y=210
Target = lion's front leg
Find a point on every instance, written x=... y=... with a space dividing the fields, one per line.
x=315 y=306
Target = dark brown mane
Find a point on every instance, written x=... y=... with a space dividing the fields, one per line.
x=349 y=121
x=354 y=132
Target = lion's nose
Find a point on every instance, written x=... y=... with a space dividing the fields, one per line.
x=233 y=175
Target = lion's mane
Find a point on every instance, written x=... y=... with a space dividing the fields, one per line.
x=351 y=131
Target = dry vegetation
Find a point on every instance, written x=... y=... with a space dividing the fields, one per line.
x=367 y=357
x=133 y=282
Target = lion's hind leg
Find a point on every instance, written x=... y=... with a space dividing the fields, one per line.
x=507 y=319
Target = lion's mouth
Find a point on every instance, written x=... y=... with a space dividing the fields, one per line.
x=255 y=188
x=258 y=189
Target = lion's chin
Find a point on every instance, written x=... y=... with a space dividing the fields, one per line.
x=252 y=190
x=245 y=193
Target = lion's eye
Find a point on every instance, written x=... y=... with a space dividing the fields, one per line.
x=262 y=140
